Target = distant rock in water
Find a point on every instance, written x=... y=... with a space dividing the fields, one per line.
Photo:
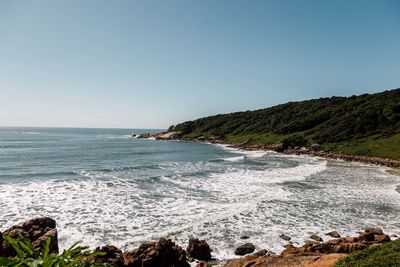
x=333 y=234
x=245 y=249
x=198 y=249
x=36 y=231
x=285 y=237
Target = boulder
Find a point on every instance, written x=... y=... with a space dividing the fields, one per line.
x=112 y=256
x=375 y=231
x=333 y=234
x=163 y=253
x=198 y=249
x=366 y=236
x=36 y=231
x=245 y=249
x=285 y=237
x=316 y=238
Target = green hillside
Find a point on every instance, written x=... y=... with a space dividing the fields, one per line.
x=368 y=124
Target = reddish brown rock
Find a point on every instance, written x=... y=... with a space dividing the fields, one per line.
x=382 y=238
x=163 y=253
x=112 y=256
x=36 y=231
x=198 y=249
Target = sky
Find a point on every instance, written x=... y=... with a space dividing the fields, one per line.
x=151 y=64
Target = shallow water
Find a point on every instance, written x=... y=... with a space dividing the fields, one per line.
x=104 y=187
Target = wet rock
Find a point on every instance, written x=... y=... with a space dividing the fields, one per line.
x=163 y=253
x=245 y=249
x=333 y=234
x=374 y=231
x=285 y=237
x=260 y=253
x=316 y=238
x=198 y=249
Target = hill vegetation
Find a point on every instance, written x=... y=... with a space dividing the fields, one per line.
x=367 y=124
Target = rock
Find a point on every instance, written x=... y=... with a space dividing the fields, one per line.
x=301 y=260
x=316 y=238
x=285 y=237
x=366 y=236
x=260 y=253
x=316 y=147
x=42 y=223
x=14 y=232
x=333 y=234
x=199 y=249
x=163 y=253
x=112 y=256
x=244 y=249
x=382 y=238
x=202 y=264
x=40 y=241
x=36 y=231
x=375 y=231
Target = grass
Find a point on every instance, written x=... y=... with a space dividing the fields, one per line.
x=373 y=146
x=387 y=255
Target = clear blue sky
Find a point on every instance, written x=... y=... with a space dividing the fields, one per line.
x=149 y=64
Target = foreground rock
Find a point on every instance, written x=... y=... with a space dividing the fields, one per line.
x=163 y=253
x=296 y=260
x=36 y=231
x=315 y=253
x=198 y=249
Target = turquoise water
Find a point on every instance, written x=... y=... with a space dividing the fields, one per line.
x=103 y=186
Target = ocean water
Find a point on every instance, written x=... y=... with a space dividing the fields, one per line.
x=104 y=187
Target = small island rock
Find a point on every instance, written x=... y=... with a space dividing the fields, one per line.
x=245 y=249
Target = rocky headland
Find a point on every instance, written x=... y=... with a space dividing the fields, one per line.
x=313 y=150
x=165 y=253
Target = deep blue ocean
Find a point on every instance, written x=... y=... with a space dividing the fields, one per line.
x=104 y=187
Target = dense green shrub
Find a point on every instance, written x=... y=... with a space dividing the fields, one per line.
x=325 y=120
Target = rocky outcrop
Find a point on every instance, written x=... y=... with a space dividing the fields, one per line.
x=341 y=245
x=37 y=231
x=160 y=136
x=163 y=253
x=245 y=249
x=296 y=260
x=198 y=249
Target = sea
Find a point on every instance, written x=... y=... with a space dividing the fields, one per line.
x=103 y=186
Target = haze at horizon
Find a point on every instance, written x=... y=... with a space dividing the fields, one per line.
x=150 y=64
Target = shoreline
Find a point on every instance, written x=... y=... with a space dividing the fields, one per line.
x=279 y=148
